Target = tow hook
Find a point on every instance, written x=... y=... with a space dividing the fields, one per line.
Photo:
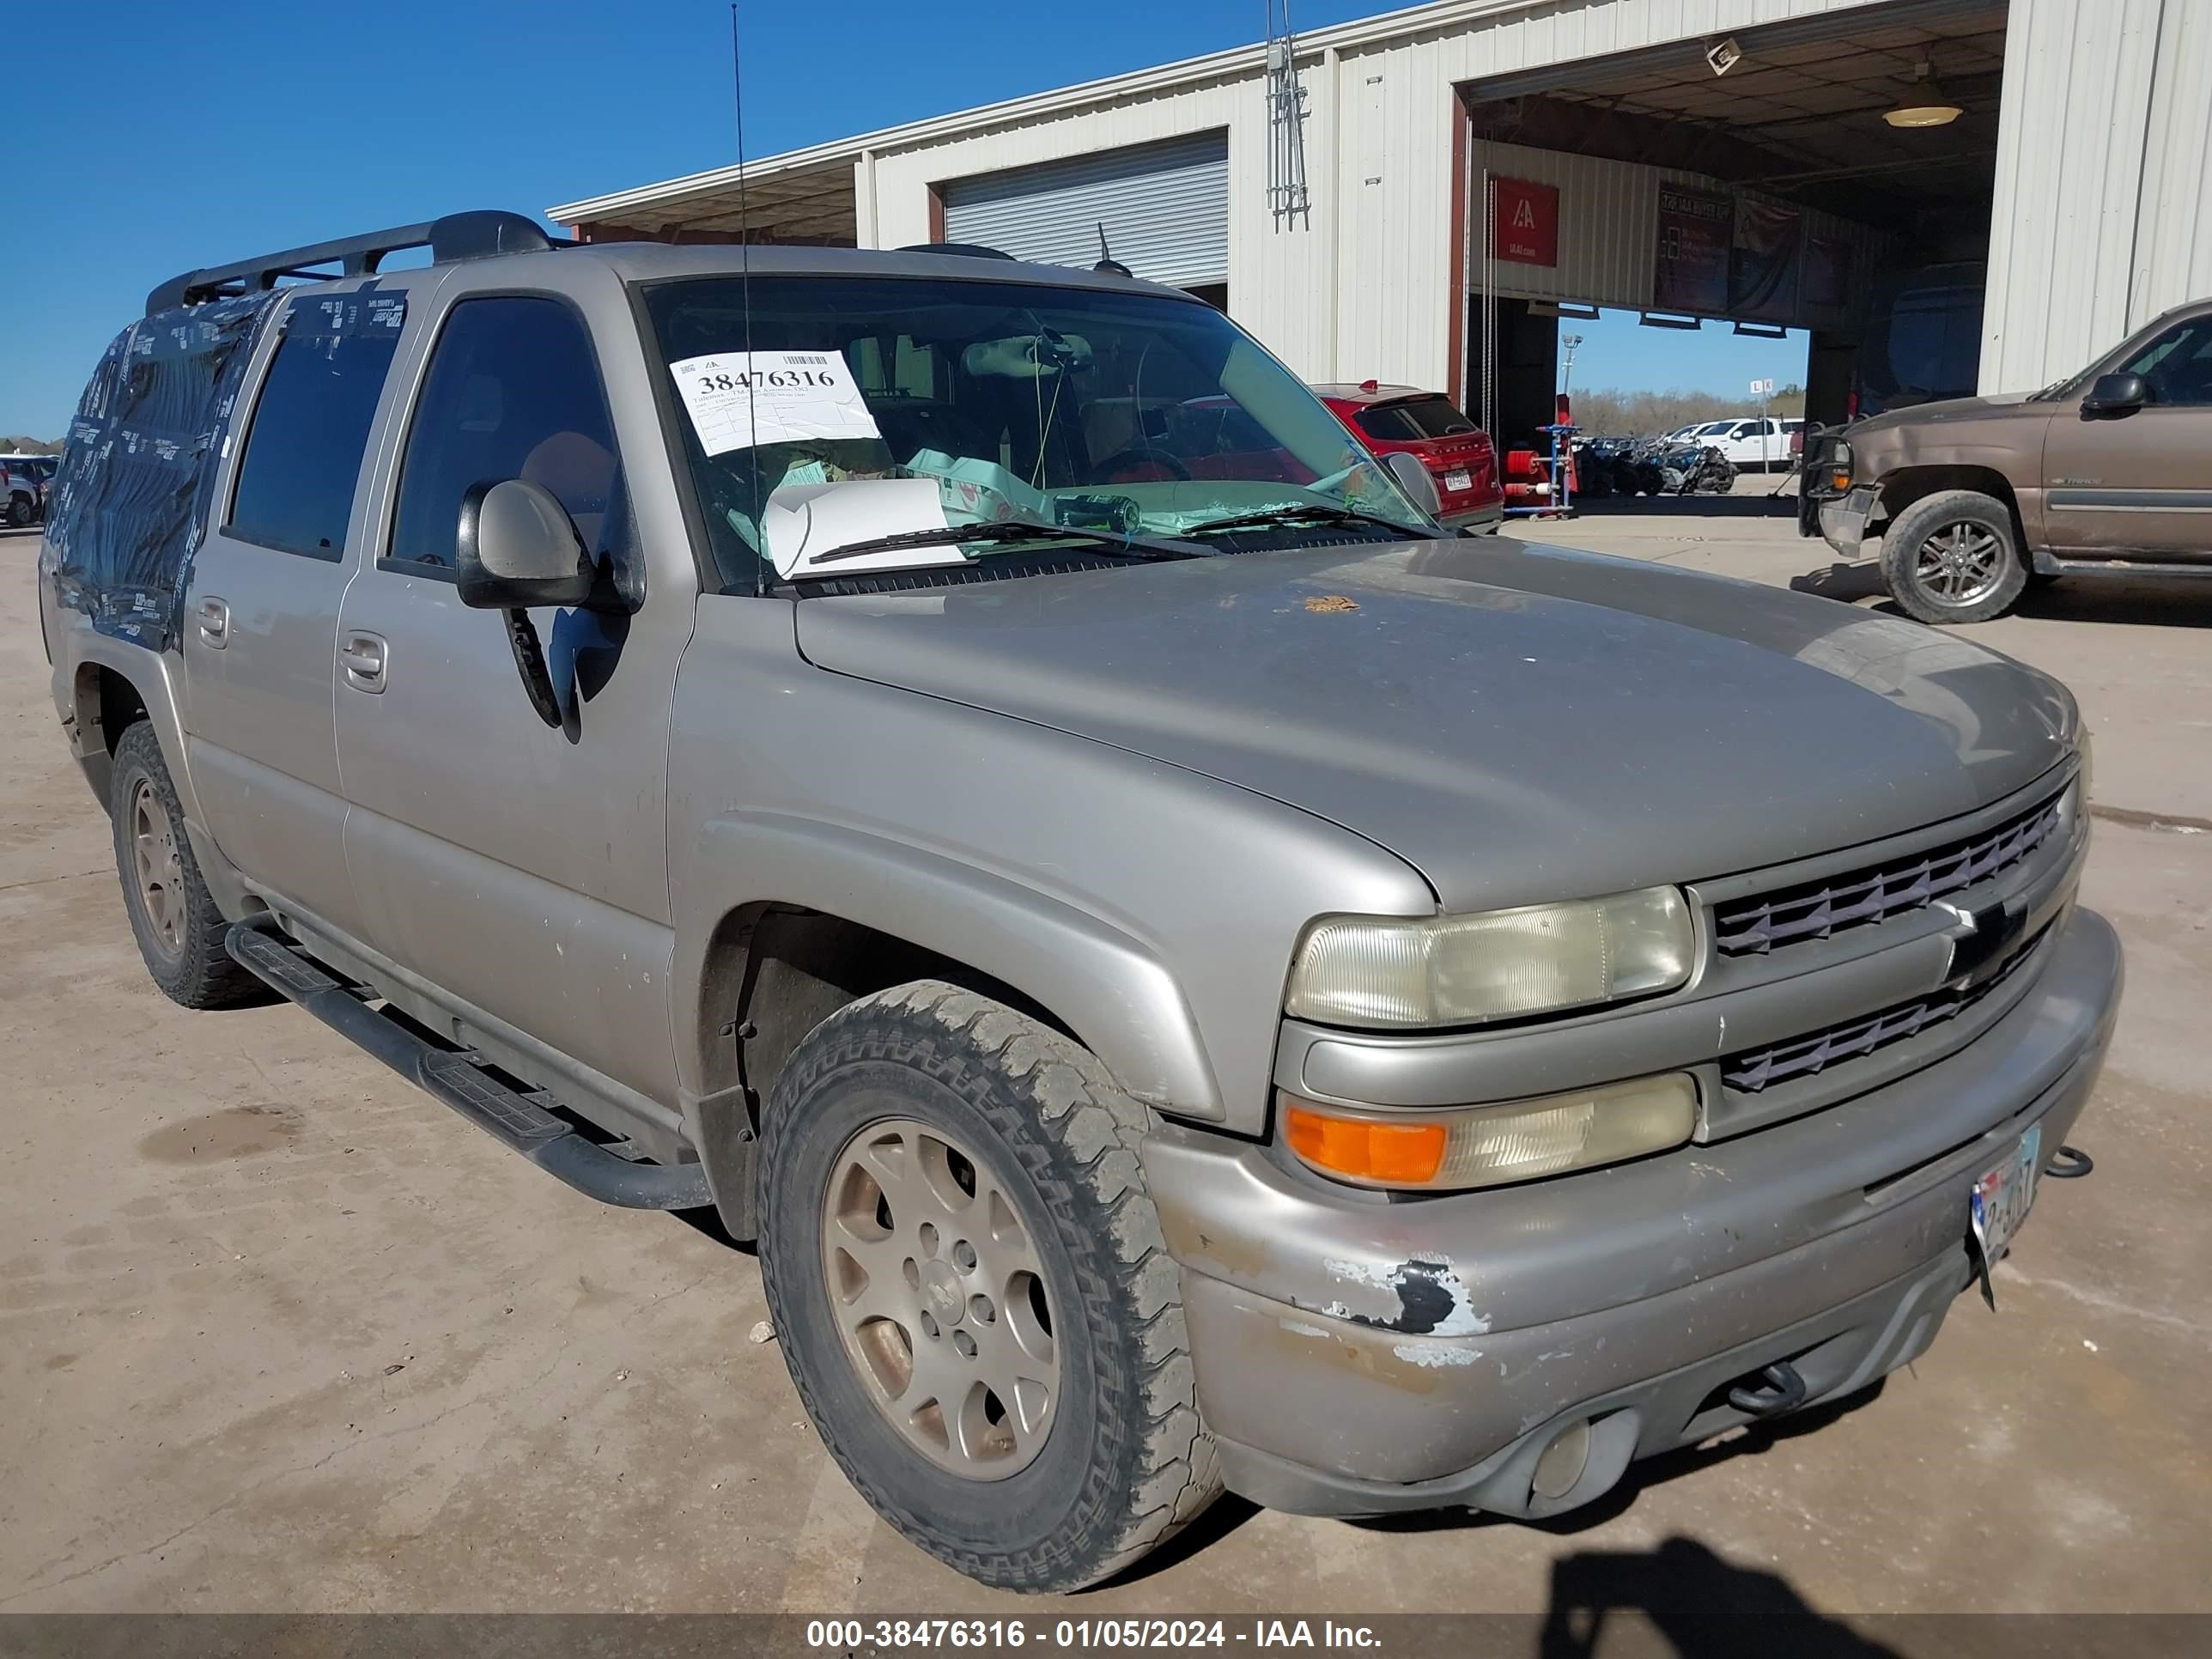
x=1780 y=1389
x=2069 y=1164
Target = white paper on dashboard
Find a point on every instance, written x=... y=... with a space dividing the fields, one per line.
x=805 y=521
x=740 y=399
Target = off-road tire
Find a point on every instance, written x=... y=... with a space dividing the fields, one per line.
x=1901 y=550
x=19 y=512
x=197 y=973
x=1127 y=1463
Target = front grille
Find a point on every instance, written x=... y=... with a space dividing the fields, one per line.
x=1759 y=1068
x=1755 y=925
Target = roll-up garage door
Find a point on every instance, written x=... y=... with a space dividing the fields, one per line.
x=1165 y=207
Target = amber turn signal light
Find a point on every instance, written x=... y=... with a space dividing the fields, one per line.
x=1360 y=1149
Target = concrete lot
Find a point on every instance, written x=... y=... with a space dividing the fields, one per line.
x=278 y=1333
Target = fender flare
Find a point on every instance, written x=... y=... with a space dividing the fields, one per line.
x=152 y=675
x=1116 y=995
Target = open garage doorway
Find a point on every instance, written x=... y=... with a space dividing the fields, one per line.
x=1828 y=175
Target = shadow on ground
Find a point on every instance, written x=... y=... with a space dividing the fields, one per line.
x=2154 y=602
x=1697 y=1604
x=1757 y=504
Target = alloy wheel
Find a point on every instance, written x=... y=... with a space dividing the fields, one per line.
x=1962 y=563
x=159 y=867
x=939 y=1295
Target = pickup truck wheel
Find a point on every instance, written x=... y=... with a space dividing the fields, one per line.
x=1955 y=557
x=19 y=512
x=178 y=928
x=972 y=1292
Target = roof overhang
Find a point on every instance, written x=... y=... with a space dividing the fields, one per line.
x=707 y=202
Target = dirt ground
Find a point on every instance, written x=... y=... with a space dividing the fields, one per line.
x=278 y=1333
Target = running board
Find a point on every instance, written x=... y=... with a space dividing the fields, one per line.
x=510 y=1117
x=2050 y=564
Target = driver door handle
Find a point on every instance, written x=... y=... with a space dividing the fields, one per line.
x=215 y=622
x=364 y=656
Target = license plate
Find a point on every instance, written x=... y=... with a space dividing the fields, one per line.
x=1459 y=480
x=1999 y=1201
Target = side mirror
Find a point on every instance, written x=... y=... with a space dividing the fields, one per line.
x=517 y=548
x=2115 y=396
x=1415 y=480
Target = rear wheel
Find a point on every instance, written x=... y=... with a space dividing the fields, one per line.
x=178 y=928
x=972 y=1293
x=19 y=512
x=1955 y=557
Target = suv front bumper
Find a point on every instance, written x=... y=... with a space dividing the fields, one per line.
x=1357 y=1356
x=1843 y=519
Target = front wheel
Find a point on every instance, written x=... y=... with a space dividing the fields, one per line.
x=19 y=512
x=972 y=1293
x=1955 y=557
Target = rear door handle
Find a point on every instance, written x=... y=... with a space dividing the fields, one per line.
x=215 y=622
x=363 y=655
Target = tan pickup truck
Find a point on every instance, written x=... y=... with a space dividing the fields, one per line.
x=2109 y=473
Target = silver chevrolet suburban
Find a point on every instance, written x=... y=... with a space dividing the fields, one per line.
x=1190 y=976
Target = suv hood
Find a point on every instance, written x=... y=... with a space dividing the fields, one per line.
x=1518 y=723
x=1949 y=412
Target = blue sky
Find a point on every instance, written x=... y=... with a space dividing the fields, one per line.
x=1618 y=350
x=169 y=139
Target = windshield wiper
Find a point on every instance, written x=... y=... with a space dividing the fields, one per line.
x=1296 y=512
x=1103 y=542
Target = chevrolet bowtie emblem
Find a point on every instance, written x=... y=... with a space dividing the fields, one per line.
x=1981 y=942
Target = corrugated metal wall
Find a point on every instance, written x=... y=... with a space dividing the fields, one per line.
x=1396 y=298
x=1362 y=285
x=1164 y=208
x=2174 y=223
x=2101 y=219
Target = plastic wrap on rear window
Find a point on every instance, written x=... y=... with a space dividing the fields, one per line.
x=130 y=498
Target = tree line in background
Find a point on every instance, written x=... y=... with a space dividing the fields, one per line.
x=30 y=447
x=1611 y=412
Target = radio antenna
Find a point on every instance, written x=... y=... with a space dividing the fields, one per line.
x=745 y=290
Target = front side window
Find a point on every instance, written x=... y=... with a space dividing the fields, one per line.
x=2176 y=367
x=512 y=391
x=1101 y=412
x=310 y=426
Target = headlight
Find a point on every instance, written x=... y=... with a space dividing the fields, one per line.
x=1464 y=970
x=1489 y=1145
x=1841 y=465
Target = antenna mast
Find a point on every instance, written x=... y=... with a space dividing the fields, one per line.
x=745 y=287
x=1287 y=117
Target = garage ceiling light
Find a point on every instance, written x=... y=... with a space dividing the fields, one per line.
x=1924 y=103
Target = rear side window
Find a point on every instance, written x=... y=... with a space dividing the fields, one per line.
x=310 y=426
x=513 y=391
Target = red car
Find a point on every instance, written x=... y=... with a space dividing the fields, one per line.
x=1457 y=453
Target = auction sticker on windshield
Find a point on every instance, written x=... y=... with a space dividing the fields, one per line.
x=741 y=399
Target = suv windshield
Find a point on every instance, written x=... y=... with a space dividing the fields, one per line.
x=1415 y=419
x=861 y=410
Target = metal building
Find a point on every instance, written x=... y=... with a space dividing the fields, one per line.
x=1415 y=197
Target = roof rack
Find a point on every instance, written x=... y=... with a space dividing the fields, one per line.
x=971 y=250
x=476 y=235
